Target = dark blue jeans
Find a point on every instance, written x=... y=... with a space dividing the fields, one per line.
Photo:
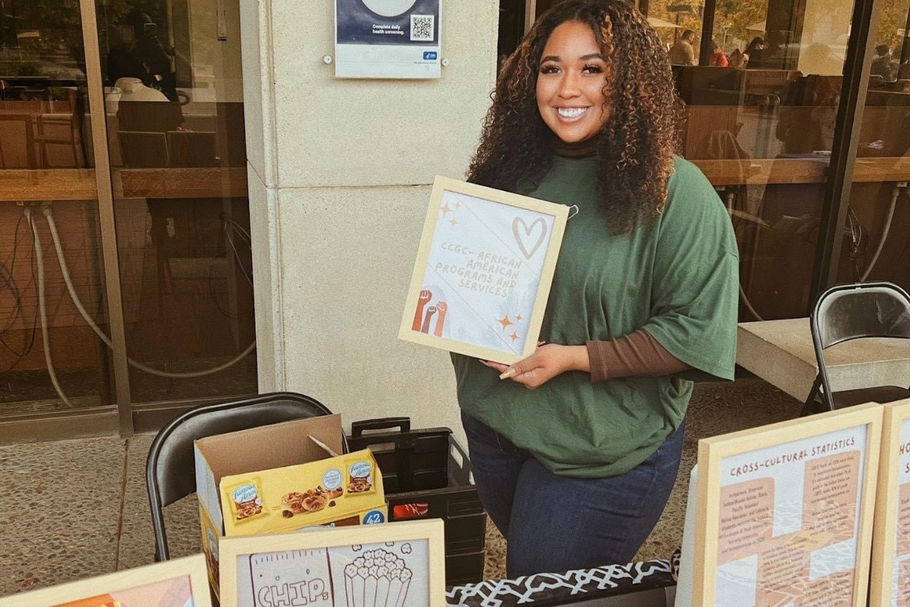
x=556 y=523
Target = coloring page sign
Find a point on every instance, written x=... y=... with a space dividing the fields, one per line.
x=390 y=574
x=483 y=273
x=396 y=565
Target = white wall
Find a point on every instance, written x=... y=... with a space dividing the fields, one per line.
x=339 y=184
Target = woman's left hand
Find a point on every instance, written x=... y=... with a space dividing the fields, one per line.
x=547 y=362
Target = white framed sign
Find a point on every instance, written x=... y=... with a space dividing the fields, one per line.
x=178 y=583
x=389 y=565
x=388 y=38
x=784 y=512
x=483 y=272
x=891 y=547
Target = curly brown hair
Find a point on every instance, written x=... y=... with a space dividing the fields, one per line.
x=639 y=140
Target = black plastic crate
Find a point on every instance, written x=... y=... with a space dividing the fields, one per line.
x=426 y=474
x=465 y=568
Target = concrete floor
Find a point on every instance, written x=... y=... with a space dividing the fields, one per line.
x=73 y=509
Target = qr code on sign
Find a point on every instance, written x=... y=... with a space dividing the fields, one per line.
x=422 y=27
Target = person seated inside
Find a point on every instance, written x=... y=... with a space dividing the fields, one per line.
x=882 y=63
x=683 y=53
x=737 y=59
x=718 y=59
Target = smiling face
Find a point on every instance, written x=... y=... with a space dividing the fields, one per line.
x=570 y=95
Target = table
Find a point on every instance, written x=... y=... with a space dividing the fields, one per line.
x=640 y=584
x=79 y=184
x=18 y=185
x=781 y=353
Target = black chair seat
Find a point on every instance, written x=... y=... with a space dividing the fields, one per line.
x=878 y=394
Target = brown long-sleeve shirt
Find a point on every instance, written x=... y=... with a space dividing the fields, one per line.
x=637 y=354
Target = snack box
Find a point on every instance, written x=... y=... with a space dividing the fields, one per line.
x=276 y=478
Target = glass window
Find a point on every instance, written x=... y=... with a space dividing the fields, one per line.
x=761 y=121
x=679 y=26
x=174 y=104
x=50 y=358
x=876 y=244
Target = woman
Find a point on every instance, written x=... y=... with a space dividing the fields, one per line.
x=755 y=52
x=737 y=59
x=576 y=471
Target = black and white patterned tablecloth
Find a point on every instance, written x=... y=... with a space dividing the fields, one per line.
x=545 y=589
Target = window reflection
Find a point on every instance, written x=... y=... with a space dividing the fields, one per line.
x=761 y=121
x=891 y=57
x=876 y=244
x=174 y=110
x=44 y=154
x=679 y=26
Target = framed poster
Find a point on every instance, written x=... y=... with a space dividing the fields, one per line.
x=483 y=272
x=389 y=565
x=784 y=512
x=177 y=583
x=891 y=544
x=388 y=38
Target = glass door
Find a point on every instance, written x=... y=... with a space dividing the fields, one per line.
x=163 y=206
x=52 y=360
x=876 y=242
x=763 y=129
x=174 y=111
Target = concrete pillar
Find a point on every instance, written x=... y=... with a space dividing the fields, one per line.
x=339 y=180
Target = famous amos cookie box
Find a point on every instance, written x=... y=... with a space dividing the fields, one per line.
x=276 y=478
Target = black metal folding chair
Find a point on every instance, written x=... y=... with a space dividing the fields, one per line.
x=170 y=470
x=849 y=312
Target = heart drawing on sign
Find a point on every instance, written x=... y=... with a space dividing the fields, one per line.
x=532 y=235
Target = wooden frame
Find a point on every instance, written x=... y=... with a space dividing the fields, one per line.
x=431 y=531
x=895 y=464
x=799 y=433
x=527 y=342
x=191 y=567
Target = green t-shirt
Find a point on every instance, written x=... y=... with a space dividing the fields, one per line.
x=676 y=277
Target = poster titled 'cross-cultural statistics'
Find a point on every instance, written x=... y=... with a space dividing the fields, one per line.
x=483 y=273
x=388 y=38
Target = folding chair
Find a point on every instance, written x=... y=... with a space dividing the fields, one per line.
x=170 y=469
x=856 y=311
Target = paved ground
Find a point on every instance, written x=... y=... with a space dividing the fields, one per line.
x=73 y=509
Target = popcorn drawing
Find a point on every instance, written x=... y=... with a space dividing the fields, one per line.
x=377 y=579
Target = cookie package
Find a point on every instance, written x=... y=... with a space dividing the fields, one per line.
x=360 y=476
x=245 y=499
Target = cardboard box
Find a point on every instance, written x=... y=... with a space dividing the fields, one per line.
x=273 y=479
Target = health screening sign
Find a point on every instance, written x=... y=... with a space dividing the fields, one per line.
x=387 y=38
